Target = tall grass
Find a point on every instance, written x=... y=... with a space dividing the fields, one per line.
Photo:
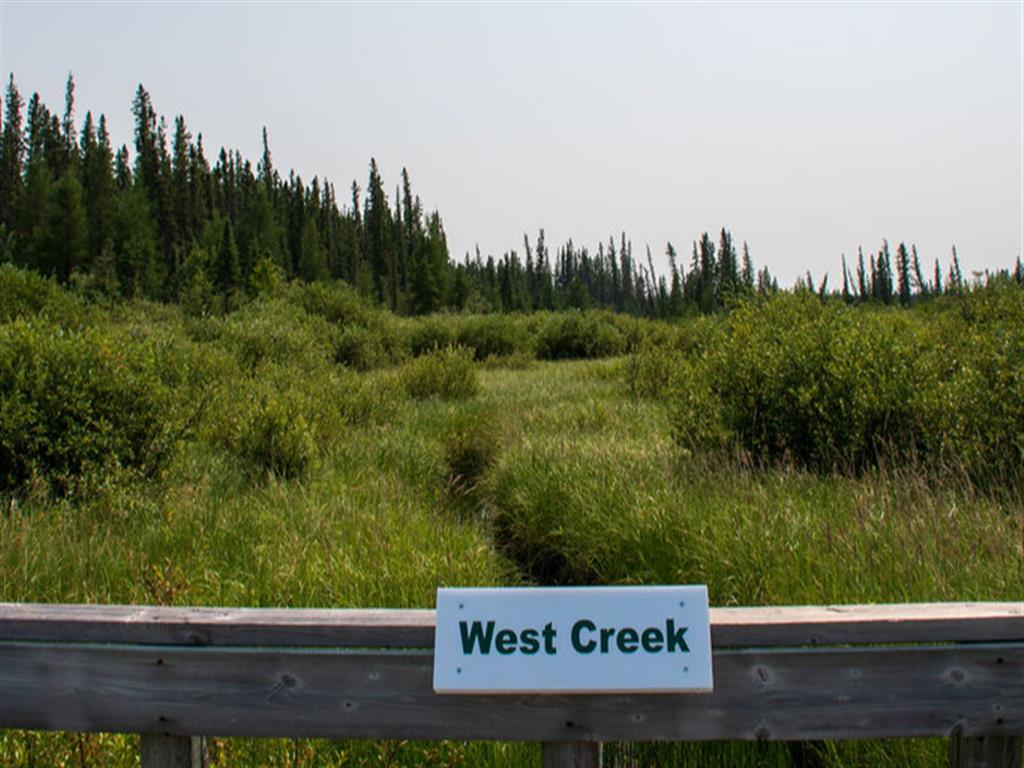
x=579 y=472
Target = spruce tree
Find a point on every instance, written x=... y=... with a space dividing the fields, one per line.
x=313 y=259
x=378 y=246
x=227 y=274
x=748 y=270
x=919 y=282
x=675 y=296
x=181 y=193
x=135 y=246
x=33 y=217
x=70 y=155
x=862 y=286
x=67 y=234
x=99 y=188
x=11 y=157
x=903 y=274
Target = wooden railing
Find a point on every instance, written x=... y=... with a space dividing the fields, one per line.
x=790 y=674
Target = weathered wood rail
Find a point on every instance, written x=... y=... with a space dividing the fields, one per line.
x=789 y=673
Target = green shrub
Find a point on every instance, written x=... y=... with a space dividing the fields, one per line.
x=491 y=335
x=281 y=418
x=829 y=386
x=820 y=383
x=429 y=334
x=271 y=331
x=976 y=410
x=274 y=436
x=337 y=303
x=446 y=373
x=85 y=403
x=360 y=349
x=649 y=370
x=370 y=399
x=369 y=337
x=571 y=335
x=696 y=413
x=26 y=294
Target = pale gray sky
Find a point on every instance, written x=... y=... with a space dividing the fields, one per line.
x=805 y=128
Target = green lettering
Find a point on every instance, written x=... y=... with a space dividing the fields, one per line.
x=577 y=629
x=505 y=642
x=606 y=636
x=652 y=640
x=675 y=637
x=549 y=639
x=529 y=642
x=627 y=640
x=476 y=635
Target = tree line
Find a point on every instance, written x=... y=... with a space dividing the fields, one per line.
x=165 y=223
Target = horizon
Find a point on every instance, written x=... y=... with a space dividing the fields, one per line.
x=588 y=149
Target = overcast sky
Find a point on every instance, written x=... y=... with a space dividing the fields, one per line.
x=804 y=128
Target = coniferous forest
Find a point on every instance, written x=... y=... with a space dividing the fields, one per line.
x=224 y=386
x=159 y=221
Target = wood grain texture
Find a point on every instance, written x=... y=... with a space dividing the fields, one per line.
x=570 y=754
x=158 y=625
x=383 y=628
x=158 y=750
x=985 y=752
x=783 y=694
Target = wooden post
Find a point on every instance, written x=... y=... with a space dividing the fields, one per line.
x=985 y=752
x=571 y=754
x=161 y=750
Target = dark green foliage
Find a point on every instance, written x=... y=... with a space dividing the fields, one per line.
x=792 y=379
x=65 y=244
x=12 y=152
x=93 y=401
x=448 y=373
x=227 y=272
x=153 y=208
x=578 y=335
x=27 y=295
x=275 y=332
x=313 y=260
x=429 y=334
x=274 y=436
x=362 y=349
x=491 y=335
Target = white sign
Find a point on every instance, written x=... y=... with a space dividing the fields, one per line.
x=573 y=640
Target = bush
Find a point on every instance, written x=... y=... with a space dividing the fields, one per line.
x=369 y=337
x=273 y=435
x=360 y=349
x=85 y=403
x=976 y=410
x=696 y=411
x=649 y=371
x=337 y=303
x=491 y=336
x=446 y=373
x=429 y=334
x=281 y=418
x=829 y=386
x=578 y=335
x=363 y=399
x=25 y=294
x=266 y=332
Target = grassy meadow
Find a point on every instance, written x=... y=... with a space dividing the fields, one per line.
x=310 y=450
